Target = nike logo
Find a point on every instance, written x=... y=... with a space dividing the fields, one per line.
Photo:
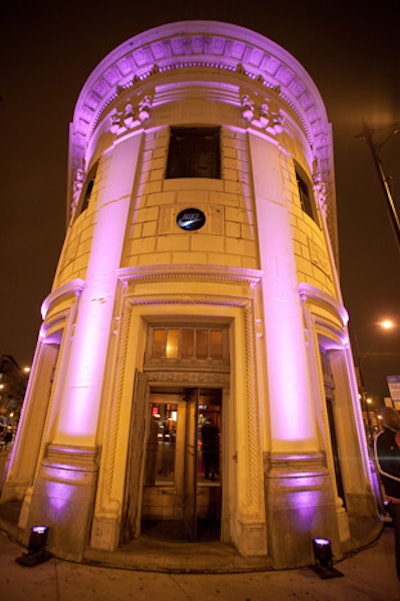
x=189 y=221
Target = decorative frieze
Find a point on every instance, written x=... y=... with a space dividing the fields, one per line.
x=192 y=378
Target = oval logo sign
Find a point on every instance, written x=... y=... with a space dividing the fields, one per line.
x=191 y=219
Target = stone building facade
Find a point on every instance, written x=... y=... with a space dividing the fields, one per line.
x=198 y=279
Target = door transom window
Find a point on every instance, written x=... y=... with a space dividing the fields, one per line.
x=187 y=344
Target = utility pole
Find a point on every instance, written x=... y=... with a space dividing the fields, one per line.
x=361 y=389
x=391 y=207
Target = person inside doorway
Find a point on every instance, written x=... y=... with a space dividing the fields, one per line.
x=210 y=448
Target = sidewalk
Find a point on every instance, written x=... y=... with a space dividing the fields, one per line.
x=367 y=576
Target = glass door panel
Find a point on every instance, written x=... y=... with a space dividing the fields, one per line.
x=209 y=440
x=161 y=444
x=182 y=479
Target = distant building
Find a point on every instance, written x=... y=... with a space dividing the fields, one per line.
x=13 y=382
x=198 y=278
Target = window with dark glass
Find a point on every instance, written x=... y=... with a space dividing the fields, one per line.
x=194 y=152
x=306 y=195
x=87 y=190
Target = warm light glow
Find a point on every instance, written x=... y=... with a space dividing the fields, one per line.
x=369 y=401
x=172 y=346
x=386 y=324
x=26 y=370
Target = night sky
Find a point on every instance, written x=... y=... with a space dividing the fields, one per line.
x=48 y=50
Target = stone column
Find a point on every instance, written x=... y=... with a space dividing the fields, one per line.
x=299 y=499
x=64 y=490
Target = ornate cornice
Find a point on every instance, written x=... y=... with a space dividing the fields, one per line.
x=205 y=44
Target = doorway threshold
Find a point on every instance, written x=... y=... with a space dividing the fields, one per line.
x=150 y=555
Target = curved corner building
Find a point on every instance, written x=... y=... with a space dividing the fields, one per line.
x=198 y=279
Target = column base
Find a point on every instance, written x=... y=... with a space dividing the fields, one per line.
x=106 y=533
x=249 y=538
x=62 y=498
x=300 y=506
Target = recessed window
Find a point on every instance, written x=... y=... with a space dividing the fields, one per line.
x=87 y=190
x=194 y=152
x=306 y=194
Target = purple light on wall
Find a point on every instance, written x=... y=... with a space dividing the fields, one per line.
x=293 y=420
x=59 y=495
x=79 y=413
x=288 y=372
x=92 y=331
x=304 y=495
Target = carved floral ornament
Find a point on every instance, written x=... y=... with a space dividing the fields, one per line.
x=266 y=116
x=130 y=116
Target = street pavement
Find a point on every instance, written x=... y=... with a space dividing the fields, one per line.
x=368 y=575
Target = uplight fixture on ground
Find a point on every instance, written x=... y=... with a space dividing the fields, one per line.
x=324 y=559
x=37 y=552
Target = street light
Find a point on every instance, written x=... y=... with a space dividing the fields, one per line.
x=386 y=325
